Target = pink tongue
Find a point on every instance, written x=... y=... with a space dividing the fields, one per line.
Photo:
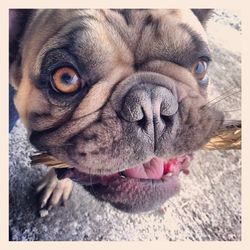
x=151 y=170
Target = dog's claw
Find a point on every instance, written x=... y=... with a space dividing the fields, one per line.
x=43 y=213
x=53 y=191
x=42 y=205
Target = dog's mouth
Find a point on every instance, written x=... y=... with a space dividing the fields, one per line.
x=155 y=169
x=145 y=186
x=138 y=188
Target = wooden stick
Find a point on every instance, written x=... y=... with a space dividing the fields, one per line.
x=49 y=160
x=228 y=137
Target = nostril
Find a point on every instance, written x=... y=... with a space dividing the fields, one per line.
x=142 y=123
x=168 y=120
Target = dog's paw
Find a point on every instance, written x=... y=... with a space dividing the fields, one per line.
x=53 y=191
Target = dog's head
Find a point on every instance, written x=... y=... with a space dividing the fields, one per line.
x=117 y=94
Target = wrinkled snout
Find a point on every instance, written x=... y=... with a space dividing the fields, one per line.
x=150 y=107
x=147 y=105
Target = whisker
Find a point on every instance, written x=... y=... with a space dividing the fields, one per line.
x=92 y=185
x=227 y=120
x=233 y=110
x=228 y=90
x=222 y=98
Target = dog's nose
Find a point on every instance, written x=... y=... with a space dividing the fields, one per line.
x=150 y=106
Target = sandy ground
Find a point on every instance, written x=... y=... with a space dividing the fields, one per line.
x=207 y=208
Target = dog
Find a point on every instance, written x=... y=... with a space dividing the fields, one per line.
x=118 y=94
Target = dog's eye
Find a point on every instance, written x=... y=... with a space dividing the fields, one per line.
x=200 y=69
x=66 y=80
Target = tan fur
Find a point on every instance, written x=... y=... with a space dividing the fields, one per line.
x=174 y=71
x=53 y=190
x=34 y=49
x=101 y=92
x=22 y=99
x=180 y=16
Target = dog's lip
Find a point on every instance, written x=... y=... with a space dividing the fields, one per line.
x=156 y=169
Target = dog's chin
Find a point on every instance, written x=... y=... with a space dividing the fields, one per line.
x=139 y=188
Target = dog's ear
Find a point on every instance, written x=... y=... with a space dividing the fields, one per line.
x=203 y=14
x=18 y=19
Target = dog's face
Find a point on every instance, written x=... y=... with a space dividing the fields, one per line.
x=117 y=94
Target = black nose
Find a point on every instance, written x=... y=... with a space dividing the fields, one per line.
x=150 y=106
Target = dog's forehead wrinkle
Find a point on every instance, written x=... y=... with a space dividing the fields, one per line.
x=180 y=48
x=65 y=39
x=157 y=21
x=168 y=39
x=117 y=41
x=48 y=36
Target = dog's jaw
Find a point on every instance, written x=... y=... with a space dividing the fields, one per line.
x=129 y=190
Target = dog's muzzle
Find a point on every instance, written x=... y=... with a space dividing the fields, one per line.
x=147 y=105
x=151 y=108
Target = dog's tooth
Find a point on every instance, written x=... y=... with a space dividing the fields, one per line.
x=122 y=175
x=169 y=174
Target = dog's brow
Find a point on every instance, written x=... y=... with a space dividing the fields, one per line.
x=200 y=46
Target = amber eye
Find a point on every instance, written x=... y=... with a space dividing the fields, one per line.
x=66 y=80
x=199 y=69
